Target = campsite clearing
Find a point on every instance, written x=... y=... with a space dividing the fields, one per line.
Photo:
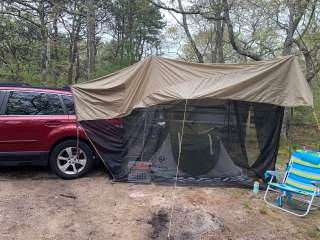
x=35 y=205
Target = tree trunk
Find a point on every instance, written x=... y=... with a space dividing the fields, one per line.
x=45 y=48
x=91 y=38
x=71 y=62
x=296 y=11
x=232 y=38
x=219 y=33
x=77 y=68
x=189 y=36
x=130 y=33
x=71 y=53
x=73 y=50
x=55 y=54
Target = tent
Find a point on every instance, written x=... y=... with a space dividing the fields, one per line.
x=195 y=123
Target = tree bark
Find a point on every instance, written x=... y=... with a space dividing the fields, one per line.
x=91 y=38
x=219 y=33
x=297 y=9
x=189 y=36
x=55 y=37
x=73 y=49
x=233 y=41
x=44 y=59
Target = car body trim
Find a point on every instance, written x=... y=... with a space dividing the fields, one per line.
x=17 y=141
x=16 y=158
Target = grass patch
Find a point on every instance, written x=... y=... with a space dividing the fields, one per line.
x=314 y=233
x=263 y=210
x=246 y=205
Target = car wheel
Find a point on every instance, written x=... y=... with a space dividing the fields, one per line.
x=65 y=163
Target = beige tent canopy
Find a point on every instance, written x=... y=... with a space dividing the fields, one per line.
x=156 y=80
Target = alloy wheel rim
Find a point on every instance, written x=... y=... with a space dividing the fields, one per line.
x=69 y=163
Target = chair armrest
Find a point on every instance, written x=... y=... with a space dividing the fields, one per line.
x=272 y=174
x=316 y=183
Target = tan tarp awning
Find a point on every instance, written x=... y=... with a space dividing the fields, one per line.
x=159 y=80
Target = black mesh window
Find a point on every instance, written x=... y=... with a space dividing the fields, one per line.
x=68 y=102
x=223 y=142
x=31 y=103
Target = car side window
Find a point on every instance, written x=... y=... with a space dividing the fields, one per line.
x=2 y=96
x=68 y=102
x=32 y=103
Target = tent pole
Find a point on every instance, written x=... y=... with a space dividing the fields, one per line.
x=177 y=170
x=78 y=150
x=144 y=136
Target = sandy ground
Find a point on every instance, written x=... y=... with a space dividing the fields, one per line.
x=34 y=204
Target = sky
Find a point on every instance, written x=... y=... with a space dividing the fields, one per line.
x=170 y=49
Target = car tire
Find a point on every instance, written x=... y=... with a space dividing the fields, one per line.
x=65 y=164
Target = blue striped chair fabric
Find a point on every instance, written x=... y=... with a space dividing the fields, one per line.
x=301 y=174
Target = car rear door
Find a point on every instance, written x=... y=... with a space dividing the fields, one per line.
x=29 y=122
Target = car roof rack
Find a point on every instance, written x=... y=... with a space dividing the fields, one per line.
x=13 y=84
x=66 y=88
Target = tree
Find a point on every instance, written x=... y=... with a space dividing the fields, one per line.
x=55 y=42
x=36 y=13
x=72 y=19
x=56 y=11
x=16 y=48
x=135 y=26
x=91 y=37
x=185 y=26
x=254 y=17
x=258 y=29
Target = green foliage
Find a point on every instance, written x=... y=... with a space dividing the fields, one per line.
x=314 y=232
x=202 y=39
x=26 y=42
x=303 y=129
x=137 y=29
x=246 y=204
x=305 y=115
x=17 y=49
x=263 y=210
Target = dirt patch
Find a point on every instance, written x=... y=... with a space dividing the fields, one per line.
x=159 y=222
x=196 y=223
x=34 y=205
x=188 y=224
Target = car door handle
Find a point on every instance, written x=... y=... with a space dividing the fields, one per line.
x=53 y=123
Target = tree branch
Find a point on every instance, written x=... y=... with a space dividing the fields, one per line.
x=312 y=69
x=206 y=14
x=189 y=36
x=21 y=17
x=233 y=41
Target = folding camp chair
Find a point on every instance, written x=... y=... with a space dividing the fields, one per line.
x=301 y=182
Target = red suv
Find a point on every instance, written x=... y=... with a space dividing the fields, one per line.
x=38 y=127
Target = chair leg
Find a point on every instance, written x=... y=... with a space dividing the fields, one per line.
x=280 y=200
x=309 y=206
x=289 y=195
x=265 y=194
x=286 y=210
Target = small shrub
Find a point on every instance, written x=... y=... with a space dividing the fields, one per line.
x=247 y=205
x=263 y=210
